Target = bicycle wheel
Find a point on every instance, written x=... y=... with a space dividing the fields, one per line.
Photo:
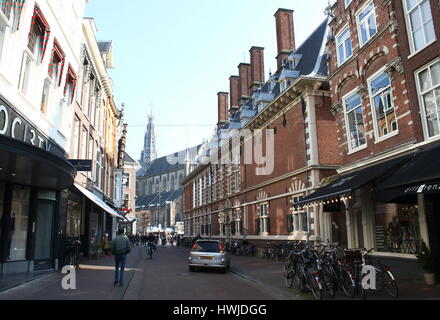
x=346 y=283
x=315 y=287
x=301 y=281
x=390 y=284
x=329 y=281
x=290 y=276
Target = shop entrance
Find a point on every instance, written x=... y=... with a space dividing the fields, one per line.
x=44 y=222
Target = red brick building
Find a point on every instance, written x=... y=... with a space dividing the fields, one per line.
x=242 y=200
x=383 y=75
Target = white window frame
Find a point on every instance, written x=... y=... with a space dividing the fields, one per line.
x=409 y=28
x=421 y=101
x=346 y=28
x=347 y=127
x=263 y=216
x=373 y=108
x=358 y=22
x=23 y=84
x=4 y=25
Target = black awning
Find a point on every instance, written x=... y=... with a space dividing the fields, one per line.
x=419 y=175
x=346 y=184
x=25 y=164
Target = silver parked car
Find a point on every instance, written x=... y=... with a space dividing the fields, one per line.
x=209 y=254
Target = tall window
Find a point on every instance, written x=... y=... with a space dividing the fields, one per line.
x=347 y=3
x=45 y=95
x=2 y=195
x=70 y=87
x=56 y=64
x=264 y=218
x=17 y=224
x=419 y=23
x=84 y=142
x=2 y=35
x=366 y=20
x=299 y=217
x=75 y=139
x=126 y=180
x=6 y=8
x=354 y=122
x=98 y=167
x=38 y=35
x=429 y=95
x=343 y=44
x=383 y=105
x=25 y=73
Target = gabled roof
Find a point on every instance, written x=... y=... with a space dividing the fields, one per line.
x=128 y=159
x=171 y=162
x=153 y=200
x=311 y=52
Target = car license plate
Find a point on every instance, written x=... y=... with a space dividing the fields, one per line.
x=206 y=258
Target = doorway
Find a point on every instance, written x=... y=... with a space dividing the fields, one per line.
x=44 y=234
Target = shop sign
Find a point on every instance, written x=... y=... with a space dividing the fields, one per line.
x=13 y=125
x=82 y=165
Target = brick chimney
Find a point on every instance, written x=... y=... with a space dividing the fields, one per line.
x=257 y=67
x=285 y=34
x=223 y=104
x=244 y=72
x=234 y=89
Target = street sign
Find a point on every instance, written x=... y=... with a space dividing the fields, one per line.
x=82 y=165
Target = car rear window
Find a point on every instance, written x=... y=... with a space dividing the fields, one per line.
x=206 y=246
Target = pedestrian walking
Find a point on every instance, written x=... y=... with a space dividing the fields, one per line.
x=120 y=249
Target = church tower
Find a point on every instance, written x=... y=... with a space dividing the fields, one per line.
x=149 y=153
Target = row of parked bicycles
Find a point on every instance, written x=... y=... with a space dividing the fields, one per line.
x=325 y=269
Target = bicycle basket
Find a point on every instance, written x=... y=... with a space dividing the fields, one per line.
x=353 y=256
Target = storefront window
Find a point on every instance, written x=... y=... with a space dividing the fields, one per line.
x=73 y=226
x=17 y=222
x=2 y=201
x=397 y=228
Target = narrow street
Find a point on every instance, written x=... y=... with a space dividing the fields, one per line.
x=166 y=277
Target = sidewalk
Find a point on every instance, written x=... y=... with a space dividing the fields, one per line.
x=94 y=282
x=271 y=274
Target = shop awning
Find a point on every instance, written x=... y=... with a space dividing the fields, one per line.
x=346 y=184
x=95 y=199
x=25 y=164
x=419 y=175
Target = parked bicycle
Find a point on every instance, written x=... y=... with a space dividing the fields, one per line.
x=385 y=279
x=72 y=254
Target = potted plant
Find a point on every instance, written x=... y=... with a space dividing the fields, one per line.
x=429 y=263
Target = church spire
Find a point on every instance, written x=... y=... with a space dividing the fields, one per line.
x=149 y=153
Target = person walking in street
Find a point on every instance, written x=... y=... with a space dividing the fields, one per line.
x=120 y=249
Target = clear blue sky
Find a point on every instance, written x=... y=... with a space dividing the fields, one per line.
x=176 y=55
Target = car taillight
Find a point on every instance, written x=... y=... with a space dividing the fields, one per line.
x=387 y=269
x=194 y=247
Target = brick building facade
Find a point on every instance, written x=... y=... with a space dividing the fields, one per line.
x=355 y=117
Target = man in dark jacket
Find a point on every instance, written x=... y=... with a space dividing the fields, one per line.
x=120 y=248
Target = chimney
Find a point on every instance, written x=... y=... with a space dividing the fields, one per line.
x=223 y=98
x=257 y=67
x=244 y=72
x=285 y=34
x=234 y=89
